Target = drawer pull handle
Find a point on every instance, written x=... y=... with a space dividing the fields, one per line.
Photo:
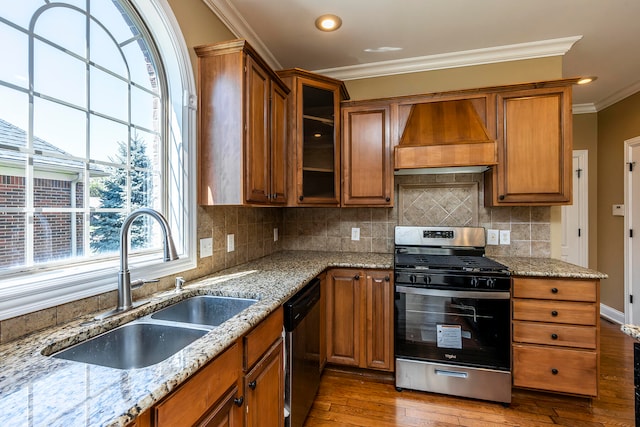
x=554 y=313
x=554 y=336
x=387 y=278
x=356 y=277
x=239 y=400
x=554 y=290
x=252 y=385
x=554 y=371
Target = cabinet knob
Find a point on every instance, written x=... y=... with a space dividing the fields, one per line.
x=301 y=198
x=357 y=277
x=388 y=199
x=554 y=290
x=501 y=197
x=252 y=385
x=554 y=371
x=239 y=400
x=554 y=313
x=554 y=336
x=387 y=278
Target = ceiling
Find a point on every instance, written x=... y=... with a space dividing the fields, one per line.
x=596 y=37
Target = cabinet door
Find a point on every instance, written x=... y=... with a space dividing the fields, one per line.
x=534 y=148
x=323 y=320
x=227 y=413
x=366 y=156
x=343 y=316
x=379 y=320
x=264 y=390
x=257 y=159
x=278 y=146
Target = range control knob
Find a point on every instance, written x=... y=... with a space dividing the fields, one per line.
x=474 y=282
x=491 y=283
x=412 y=278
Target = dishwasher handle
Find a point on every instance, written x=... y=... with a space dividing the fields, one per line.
x=299 y=305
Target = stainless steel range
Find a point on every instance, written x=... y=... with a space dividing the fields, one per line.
x=452 y=315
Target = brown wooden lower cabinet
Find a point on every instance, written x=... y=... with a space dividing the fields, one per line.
x=219 y=394
x=556 y=334
x=359 y=318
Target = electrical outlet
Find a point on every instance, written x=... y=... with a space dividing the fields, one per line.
x=505 y=237
x=231 y=243
x=355 y=233
x=492 y=237
x=206 y=247
x=275 y=234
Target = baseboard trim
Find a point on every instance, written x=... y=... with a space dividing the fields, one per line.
x=611 y=314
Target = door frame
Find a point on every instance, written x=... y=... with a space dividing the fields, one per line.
x=583 y=208
x=628 y=224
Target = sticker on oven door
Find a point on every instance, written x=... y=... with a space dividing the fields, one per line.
x=449 y=336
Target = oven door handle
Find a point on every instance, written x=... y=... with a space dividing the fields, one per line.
x=454 y=294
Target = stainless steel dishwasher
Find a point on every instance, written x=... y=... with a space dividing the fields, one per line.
x=302 y=371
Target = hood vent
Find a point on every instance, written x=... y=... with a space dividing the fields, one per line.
x=444 y=134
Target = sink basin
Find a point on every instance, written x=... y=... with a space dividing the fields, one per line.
x=134 y=345
x=204 y=310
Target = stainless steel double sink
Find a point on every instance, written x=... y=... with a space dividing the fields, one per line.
x=155 y=337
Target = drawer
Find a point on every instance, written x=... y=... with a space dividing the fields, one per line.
x=553 y=369
x=555 y=334
x=194 y=398
x=578 y=313
x=260 y=339
x=556 y=289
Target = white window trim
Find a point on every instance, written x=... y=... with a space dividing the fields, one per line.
x=48 y=289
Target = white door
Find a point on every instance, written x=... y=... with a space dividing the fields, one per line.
x=632 y=230
x=575 y=217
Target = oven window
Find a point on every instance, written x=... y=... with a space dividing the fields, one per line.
x=462 y=331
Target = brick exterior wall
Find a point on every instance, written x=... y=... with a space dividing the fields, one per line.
x=52 y=231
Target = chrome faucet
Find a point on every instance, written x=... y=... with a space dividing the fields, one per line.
x=125 y=285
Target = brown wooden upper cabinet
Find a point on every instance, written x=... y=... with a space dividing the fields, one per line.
x=534 y=148
x=314 y=132
x=242 y=122
x=367 y=169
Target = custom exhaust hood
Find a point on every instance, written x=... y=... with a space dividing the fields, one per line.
x=444 y=136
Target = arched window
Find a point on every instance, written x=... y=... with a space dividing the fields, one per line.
x=94 y=123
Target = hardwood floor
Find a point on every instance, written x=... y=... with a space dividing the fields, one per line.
x=349 y=400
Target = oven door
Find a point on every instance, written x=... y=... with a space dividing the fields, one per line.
x=469 y=328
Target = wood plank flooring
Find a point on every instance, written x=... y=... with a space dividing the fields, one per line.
x=350 y=400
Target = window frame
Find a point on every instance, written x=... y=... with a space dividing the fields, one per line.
x=34 y=288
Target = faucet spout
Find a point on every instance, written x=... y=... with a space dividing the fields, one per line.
x=125 y=301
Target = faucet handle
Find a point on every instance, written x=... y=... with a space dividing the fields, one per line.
x=140 y=282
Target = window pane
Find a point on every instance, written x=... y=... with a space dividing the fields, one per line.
x=47 y=120
x=146 y=147
x=105 y=52
x=107 y=140
x=144 y=109
x=59 y=75
x=12 y=235
x=71 y=35
x=54 y=192
x=140 y=65
x=111 y=15
x=15 y=51
x=14 y=112
x=109 y=95
x=12 y=188
x=81 y=4
x=20 y=15
x=105 y=232
x=53 y=236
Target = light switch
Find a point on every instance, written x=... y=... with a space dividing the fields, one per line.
x=231 y=243
x=492 y=237
x=505 y=237
x=355 y=233
x=206 y=247
x=617 y=210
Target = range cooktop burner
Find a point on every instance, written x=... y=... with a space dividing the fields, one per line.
x=448 y=262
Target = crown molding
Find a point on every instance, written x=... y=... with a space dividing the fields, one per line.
x=240 y=28
x=514 y=52
x=584 y=108
x=618 y=96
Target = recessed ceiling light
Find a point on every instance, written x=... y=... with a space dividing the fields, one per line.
x=586 y=80
x=328 y=22
x=382 y=49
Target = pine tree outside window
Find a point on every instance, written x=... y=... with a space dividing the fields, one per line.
x=93 y=125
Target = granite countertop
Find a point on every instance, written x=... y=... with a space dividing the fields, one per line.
x=631 y=330
x=37 y=390
x=547 y=267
